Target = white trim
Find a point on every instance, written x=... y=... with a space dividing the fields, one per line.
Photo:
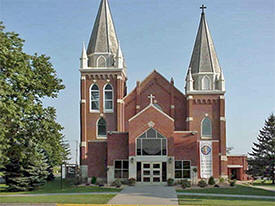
x=221 y=97
x=100 y=57
x=234 y=166
x=83 y=144
x=83 y=77
x=119 y=77
x=108 y=110
x=189 y=119
x=101 y=69
x=186 y=132
x=172 y=106
x=211 y=140
x=150 y=105
x=223 y=158
x=206 y=138
x=120 y=101
x=222 y=119
x=189 y=97
x=205 y=92
x=82 y=101
x=99 y=140
x=137 y=107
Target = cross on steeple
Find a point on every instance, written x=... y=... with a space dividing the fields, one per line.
x=151 y=97
x=202 y=8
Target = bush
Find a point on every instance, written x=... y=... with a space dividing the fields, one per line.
x=185 y=183
x=216 y=185
x=131 y=181
x=202 y=183
x=221 y=180
x=211 y=181
x=93 y=180
x=170 y=182
x=116 y=183
x=232 y=183
x=125 y=181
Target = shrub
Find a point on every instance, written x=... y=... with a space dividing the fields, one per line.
x=185 y=183
x=211 y=181
x=221 y=180
x=232 y=183
x=202 y=183
x=125 y=181
x=131 y=181
x=170 y=182
x=116 y=183
x=216 y=185
x=93 y=180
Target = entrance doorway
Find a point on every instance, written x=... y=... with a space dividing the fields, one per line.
x=151 y=172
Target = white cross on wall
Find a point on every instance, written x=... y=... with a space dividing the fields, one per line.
x=151 y=97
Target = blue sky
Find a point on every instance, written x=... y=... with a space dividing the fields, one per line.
x=157 y=34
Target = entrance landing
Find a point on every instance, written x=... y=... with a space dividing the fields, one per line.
x=146 y=195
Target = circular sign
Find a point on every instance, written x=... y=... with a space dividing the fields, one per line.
x=205 y=150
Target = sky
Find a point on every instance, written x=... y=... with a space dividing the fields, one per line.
x=157 y=34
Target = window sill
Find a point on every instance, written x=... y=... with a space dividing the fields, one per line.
x=94 y=111
x=101 y=137
x=108 y=111
x=206 y=138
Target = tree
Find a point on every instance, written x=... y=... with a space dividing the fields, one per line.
x=262 y=160
x=25 y=80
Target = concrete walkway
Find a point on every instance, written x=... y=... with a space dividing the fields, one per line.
x=58 y=194
x=226 y=195
x=146 y=195
x=264 y=188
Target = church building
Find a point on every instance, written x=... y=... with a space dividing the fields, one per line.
x=156 y=131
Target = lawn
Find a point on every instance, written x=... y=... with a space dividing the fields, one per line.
x=238 y=190
x=67 y=187
x=224 y=201
x=76 y=199
x=266 y=183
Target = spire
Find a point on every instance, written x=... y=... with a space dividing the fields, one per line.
x=83 y=58
x=120 y=58
x=204 y=58
x=103 y=38
x=221 y=82
x=189 y=82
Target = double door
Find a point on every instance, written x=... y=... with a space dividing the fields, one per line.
x=151 y=172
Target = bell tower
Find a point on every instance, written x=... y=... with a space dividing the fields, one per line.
x=103 y=86
x=205 y=89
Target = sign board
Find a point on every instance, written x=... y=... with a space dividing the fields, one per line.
x=63 y=171
x=206 y=163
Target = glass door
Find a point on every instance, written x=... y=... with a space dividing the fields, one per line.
x=151 y=172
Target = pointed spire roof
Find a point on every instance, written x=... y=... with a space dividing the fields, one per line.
x=83 y=53
x=204 y=58
x=103 y=38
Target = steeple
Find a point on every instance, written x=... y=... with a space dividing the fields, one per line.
x=103 y=46
x=204 y=64
x=103 y=38
x=83 y=58
x=204 y=58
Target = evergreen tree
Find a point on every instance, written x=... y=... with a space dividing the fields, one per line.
x=26 y=126
x=262 y=160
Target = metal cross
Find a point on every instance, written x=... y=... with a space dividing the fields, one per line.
x=151 y=97
x=202 y=8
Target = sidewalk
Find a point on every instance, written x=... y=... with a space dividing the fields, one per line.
x=56 y=194
x=146 y=195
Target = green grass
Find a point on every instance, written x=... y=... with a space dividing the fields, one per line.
x=68 y=187
x=224 y=201
x=238 y=190
x=76 y=199
x=266 y=183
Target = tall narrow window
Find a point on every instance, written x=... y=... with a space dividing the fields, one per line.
x=101 y=127
x=94 y=98
x=108 y=98
x=206 y=127
x=205 y=83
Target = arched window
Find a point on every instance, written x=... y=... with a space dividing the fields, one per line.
x=94 y=98
x=101 y=128
x=205 y=83
x=206 y=127
x=151 y=143
x=108 y=98
x=101 y=61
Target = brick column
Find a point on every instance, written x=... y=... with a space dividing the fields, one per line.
x=138 y=98
x=119 y=100
x=172 y=99
x=223 y=158
x=189 y=117
x=83 y=107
